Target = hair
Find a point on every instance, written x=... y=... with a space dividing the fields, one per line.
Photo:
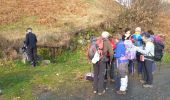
x=146 y=34
x=29 y=29
x=127 y=29
x=138 y=29
x=118 y=36
x=151 y=32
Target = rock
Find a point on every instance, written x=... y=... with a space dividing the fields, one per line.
x=46 y=62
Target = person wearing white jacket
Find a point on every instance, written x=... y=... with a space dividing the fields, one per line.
x=148 y=53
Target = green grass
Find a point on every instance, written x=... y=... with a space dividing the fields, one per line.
x=22 y=80
x=166 y=57
x=18 y=79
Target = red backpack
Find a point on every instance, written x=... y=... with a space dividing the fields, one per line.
x=100 y=46
x=96 y=46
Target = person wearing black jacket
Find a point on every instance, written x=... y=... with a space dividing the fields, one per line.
x=31 y=41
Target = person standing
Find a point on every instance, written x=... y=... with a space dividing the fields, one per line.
x=148 y=53
x=100 y=66
x=31 y=41
x=137 y=40
x=129 y=47
x=122 y=64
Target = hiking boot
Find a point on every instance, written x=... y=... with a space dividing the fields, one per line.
x=147 y=86
x=102 y=93
x=121 y=92
x=142 y=81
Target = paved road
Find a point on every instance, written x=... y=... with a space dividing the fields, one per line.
x=160 y=91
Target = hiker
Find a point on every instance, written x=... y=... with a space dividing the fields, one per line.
x=30 y=42
x=148 y=59
x=152 y=39
x=103 y=46
x=129 y=46
x=137 y=40
x=110 y=68
x=122 y=63
x=159 y=47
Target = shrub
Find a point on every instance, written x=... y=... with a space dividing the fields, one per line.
x=140 y=13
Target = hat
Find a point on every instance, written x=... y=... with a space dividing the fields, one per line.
x=105 y=34
x=138 y=29
x=146 y=34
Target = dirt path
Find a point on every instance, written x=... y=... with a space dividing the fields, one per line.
x=160 y=91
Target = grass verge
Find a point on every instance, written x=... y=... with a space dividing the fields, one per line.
x=22 y=82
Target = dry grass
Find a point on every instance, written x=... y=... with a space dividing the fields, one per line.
x=163 y=26
x=52 y=18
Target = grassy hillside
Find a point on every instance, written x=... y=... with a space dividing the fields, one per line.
x=52 y=18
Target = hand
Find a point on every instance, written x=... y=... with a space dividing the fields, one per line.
x=89 y=62
x=136 y=48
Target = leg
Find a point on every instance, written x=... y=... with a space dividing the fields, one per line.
x=139 y=67
x=130 y=67
x=34 y=56
x=112 y=70
x=96 y=73
x=149 y=65
x=106 y=72
x=102 y=67
x=124 y=78
x=144 y=73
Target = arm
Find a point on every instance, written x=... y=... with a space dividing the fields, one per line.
x=147 y=49
x=117 y=51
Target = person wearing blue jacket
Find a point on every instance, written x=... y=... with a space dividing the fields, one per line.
x=137 y=40
x=122 y=64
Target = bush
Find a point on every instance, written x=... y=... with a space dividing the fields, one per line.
x=140 y=13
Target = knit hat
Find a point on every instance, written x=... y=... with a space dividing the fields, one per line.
x=138 y=29
x=105 y=34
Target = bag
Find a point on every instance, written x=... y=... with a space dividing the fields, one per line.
x=89 y=76
x=96 y=58
x=158 y=53
x=130 y=50
x=92 y=51
x=96 y=48
x=142 y=58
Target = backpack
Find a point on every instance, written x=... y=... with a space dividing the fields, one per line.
x=96 y=47
x=158 y=53
x=130 y=50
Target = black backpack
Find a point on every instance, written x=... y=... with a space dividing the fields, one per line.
x=159 y=47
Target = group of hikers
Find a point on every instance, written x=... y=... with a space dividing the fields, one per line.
x=119 y=53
